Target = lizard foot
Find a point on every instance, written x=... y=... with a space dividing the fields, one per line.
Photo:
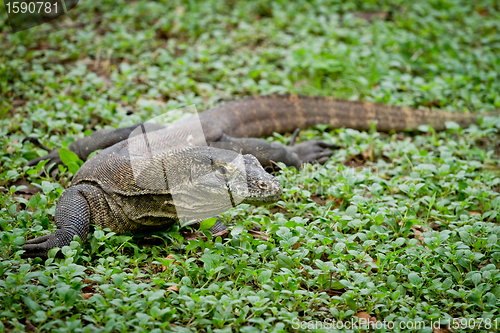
x=314 y=151
x=218 y=229
x=39 y=247
x=51 y=167
x=52 y=155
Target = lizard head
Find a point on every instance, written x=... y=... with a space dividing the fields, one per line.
x=262 y=187
x=239 y=178
x=205 y=181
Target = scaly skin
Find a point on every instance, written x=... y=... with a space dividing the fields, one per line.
x=106 y=193
x=183 y=185
x=237 y=124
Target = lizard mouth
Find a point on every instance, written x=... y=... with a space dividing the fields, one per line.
x=257 y=187
x=265 y=192
x=230 y=196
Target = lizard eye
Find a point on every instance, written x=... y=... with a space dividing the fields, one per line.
x=222 y=170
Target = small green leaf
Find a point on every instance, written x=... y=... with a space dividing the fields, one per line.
x=428 y=167
x=30 y=155
x=12 y=210
x=405 y=188
x=339 y=247
x=496 y=291
x=265 y=276
x=465 y=236
x=476 y=278
x=451 y=125
x=41 y=315
x=19 y=240
x=47 y=187
x=414 y=279
x=237 y=229
x=70 y=159
x=351 y=210
x=423 y=128
x=44 y=280
x=285 y=261
x=94 y=153
x=27 y=126
x=240 y=267
x=32 y=305
x=52 y=252
x=73 y=167
x=208 y=223
x=400 y=241
x=336 y=285
x=352 y=303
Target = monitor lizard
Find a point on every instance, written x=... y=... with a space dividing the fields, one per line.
x=104 y=192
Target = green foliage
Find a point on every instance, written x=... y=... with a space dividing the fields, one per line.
x=70 y=159
x=402 y=226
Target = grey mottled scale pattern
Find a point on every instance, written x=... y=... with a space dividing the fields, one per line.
x=106 y=192
x=103 y=192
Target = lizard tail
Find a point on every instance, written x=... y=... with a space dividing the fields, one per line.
x=261 y=116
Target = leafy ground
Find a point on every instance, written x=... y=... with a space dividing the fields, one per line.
x=402 y=226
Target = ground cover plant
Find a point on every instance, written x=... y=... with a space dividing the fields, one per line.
x=401 y=227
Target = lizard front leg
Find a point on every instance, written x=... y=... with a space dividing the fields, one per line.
x=72 y=218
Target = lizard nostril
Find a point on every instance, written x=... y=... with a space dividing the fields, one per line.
x=263 y=186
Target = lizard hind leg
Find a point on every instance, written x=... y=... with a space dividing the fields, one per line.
x=314 y=151
x=72 y=218
x=219 y=227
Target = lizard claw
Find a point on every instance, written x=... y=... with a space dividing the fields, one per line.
x=39 y=247
x=314 y=151
x=53 y=157
x=51 y=168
